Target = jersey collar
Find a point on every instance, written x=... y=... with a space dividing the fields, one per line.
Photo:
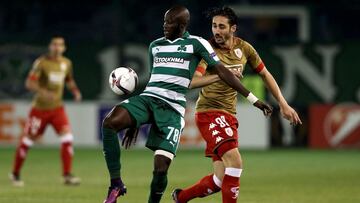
x=185 y=35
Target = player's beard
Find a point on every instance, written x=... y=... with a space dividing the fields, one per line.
x=221 y=39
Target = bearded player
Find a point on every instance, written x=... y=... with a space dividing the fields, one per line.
x=216 y=109
x=173 y=60
x=46 y=79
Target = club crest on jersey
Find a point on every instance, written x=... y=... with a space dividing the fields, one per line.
x=238 y=53
x=181 y=48
x=63 y=66
x=229 y=132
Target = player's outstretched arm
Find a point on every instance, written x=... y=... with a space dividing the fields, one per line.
x=287 y=111
x=199 y=80
x=229 y=78
x=72 y=86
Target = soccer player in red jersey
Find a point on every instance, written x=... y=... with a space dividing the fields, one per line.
x=216 y=107
x=47 y=78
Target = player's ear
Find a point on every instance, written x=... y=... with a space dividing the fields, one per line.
x=233 y=28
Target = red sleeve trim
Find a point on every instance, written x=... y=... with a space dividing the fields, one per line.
x=201 y=69
x=260 y=67
x=33 y=77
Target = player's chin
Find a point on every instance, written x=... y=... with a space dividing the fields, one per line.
x=219 y=40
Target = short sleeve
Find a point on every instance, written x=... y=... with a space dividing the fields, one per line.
x=204 y=49
x=36 y=70
x=253 y=58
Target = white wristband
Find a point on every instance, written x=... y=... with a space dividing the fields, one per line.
x=252 y=98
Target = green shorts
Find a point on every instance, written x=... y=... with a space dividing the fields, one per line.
x=167 y=123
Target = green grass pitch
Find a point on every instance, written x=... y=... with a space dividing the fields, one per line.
x=275 y=176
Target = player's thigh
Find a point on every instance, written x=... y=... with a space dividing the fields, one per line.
x=60 y=121
x=36 y=123
x=130 y=113
x=166 y=130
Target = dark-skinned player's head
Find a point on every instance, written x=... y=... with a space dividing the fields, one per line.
x=176 y=20
x=57 y=46
x=224 y=23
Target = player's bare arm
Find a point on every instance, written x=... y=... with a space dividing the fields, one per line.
x=230 y=79
x=199 y=80
x=287 y=111
x=72 y=86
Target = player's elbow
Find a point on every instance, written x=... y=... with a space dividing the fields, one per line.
x=30 y=85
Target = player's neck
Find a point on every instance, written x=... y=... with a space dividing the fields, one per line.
x=54 y=56
x=229 y=44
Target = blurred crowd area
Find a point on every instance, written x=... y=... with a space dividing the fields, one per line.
x=116 y=21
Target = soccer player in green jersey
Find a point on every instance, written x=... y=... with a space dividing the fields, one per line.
x=173 y=61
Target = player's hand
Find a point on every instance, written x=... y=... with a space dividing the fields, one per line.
x=77 y=97
x=130 y=137
x=265 y=108
x=237 y=72
x=290 y=114
x=50 y=96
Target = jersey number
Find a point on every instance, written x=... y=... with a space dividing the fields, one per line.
x=174 y=133
x=221 y=121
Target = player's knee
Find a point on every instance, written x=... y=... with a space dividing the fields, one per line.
x=161 y=163
x=232 y=158
x=108 y=123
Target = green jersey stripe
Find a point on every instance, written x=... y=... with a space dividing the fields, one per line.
x=170 y=94
x=171 y=71
x=179 y=81
x=173 y=49
x=169 y=86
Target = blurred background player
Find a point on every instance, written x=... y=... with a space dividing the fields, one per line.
x=46 y=79
x=216 y=109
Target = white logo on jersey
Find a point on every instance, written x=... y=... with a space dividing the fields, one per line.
x=238 y=53
x=218 y=139
x=215 y=132
x=212 y=125
x=56 y=77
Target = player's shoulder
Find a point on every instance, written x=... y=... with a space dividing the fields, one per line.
x=196 y=38
x=200 y=42
x=66 y=59
x=39 y=60
x=158 y=40
x=239 y=42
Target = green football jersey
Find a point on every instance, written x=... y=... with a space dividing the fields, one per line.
x=173 y=64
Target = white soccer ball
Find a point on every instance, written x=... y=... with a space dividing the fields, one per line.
x=123 y=80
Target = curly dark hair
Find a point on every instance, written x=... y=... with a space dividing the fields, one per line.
x=224 y=11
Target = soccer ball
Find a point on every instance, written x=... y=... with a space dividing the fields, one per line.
x=123 y=80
